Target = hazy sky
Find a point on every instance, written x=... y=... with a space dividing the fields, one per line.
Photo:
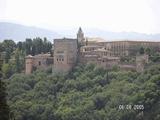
x=114 y=15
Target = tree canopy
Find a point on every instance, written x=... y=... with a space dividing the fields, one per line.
x=87 y=93
x=12 y=55
x=4 y=108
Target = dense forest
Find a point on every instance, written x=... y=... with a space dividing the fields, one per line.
x=88 y=92
x=12 y=55
x=12 y=59
x=4 y=108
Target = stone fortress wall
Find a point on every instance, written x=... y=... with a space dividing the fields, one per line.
x=67 y=52
x=41 y=61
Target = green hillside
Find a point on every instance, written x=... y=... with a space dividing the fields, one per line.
x=87 y=93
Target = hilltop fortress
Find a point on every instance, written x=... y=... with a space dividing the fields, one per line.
x=68 y=52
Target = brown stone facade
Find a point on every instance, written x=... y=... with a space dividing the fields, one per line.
x=41 y=61
x=125 y=48
x=67 y=52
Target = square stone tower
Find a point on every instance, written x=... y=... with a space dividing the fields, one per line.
x=65 y=54
x=29 y=64
x=80 y=37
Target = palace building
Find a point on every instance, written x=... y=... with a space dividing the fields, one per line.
x=67 y=52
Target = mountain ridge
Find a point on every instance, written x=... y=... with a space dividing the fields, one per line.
x=20 y=32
